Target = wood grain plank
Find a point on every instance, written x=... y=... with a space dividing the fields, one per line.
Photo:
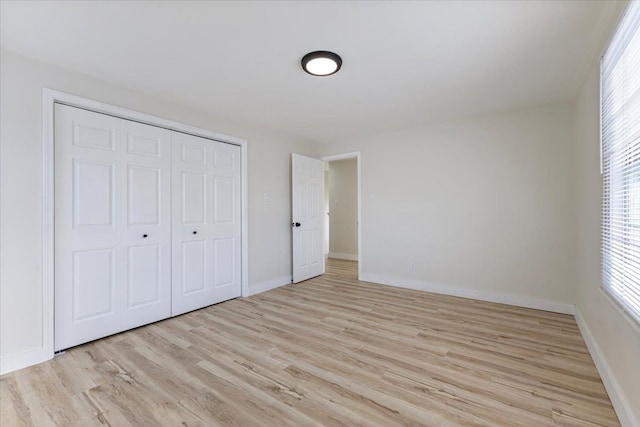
x=329 y=351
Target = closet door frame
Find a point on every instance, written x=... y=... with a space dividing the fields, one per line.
x=51 y=97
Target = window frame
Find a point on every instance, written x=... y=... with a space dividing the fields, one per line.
x=628 y=24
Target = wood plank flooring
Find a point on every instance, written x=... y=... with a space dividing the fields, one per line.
x=330 y=351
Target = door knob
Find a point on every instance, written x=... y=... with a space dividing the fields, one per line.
x=195 y=232
x=295 y=224
x=144 y=236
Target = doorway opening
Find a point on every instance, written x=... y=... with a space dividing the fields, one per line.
x=342 y=236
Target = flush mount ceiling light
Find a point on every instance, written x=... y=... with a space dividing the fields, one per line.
x=321 y=63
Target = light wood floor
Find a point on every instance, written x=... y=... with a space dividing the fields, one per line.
x=329 y=351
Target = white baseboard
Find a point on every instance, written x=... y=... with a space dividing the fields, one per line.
x=499 y=297
x=619 y=401
x=258 y=288
x=13 y=362
x=338 y=255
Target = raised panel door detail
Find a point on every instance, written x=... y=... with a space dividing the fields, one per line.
x=143 y=146
x=313 y=200
x=194 y=273
x=144 y=281
x=223 y=261
x=316 y=247
x=303 y=238
x=194 y=187
x=302 y=202
x=93 y=193
x=93 y=137
x=143 y=184
x=193 y=154
x=314 y=173
x=223 y=199
x=93 y=283
x=301 y=171
x=222 y=160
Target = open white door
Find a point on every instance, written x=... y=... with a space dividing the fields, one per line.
x=307 y=189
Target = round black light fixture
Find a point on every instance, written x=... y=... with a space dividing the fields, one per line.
x=321 y=63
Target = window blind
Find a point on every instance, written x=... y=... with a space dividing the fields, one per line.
x=620 y=138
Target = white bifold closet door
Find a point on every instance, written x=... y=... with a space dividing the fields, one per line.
x=112 y=225
x=147 y=224
x=206 y=222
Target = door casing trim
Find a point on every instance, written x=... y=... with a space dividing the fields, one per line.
x=353 y=155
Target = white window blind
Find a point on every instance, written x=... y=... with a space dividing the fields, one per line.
x=620 y=127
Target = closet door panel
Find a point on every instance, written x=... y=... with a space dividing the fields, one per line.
x=226 y=268
x=112 y=225
x=147 y=224
x=205 y=235
x=88 y=255
x=223 y=261
x=93 y=193
x=93 y=284
x=193 y=198
x=145 y=275
x=143 y=201
x=226 y=221
x=191 y=207
x=194 y=268
x=146 y=219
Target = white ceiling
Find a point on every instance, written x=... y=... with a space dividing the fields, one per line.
x=404 y=63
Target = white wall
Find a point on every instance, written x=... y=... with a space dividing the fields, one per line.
x=343 y=209
x=484 y=207
x=617 y=342
x=21 y=83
